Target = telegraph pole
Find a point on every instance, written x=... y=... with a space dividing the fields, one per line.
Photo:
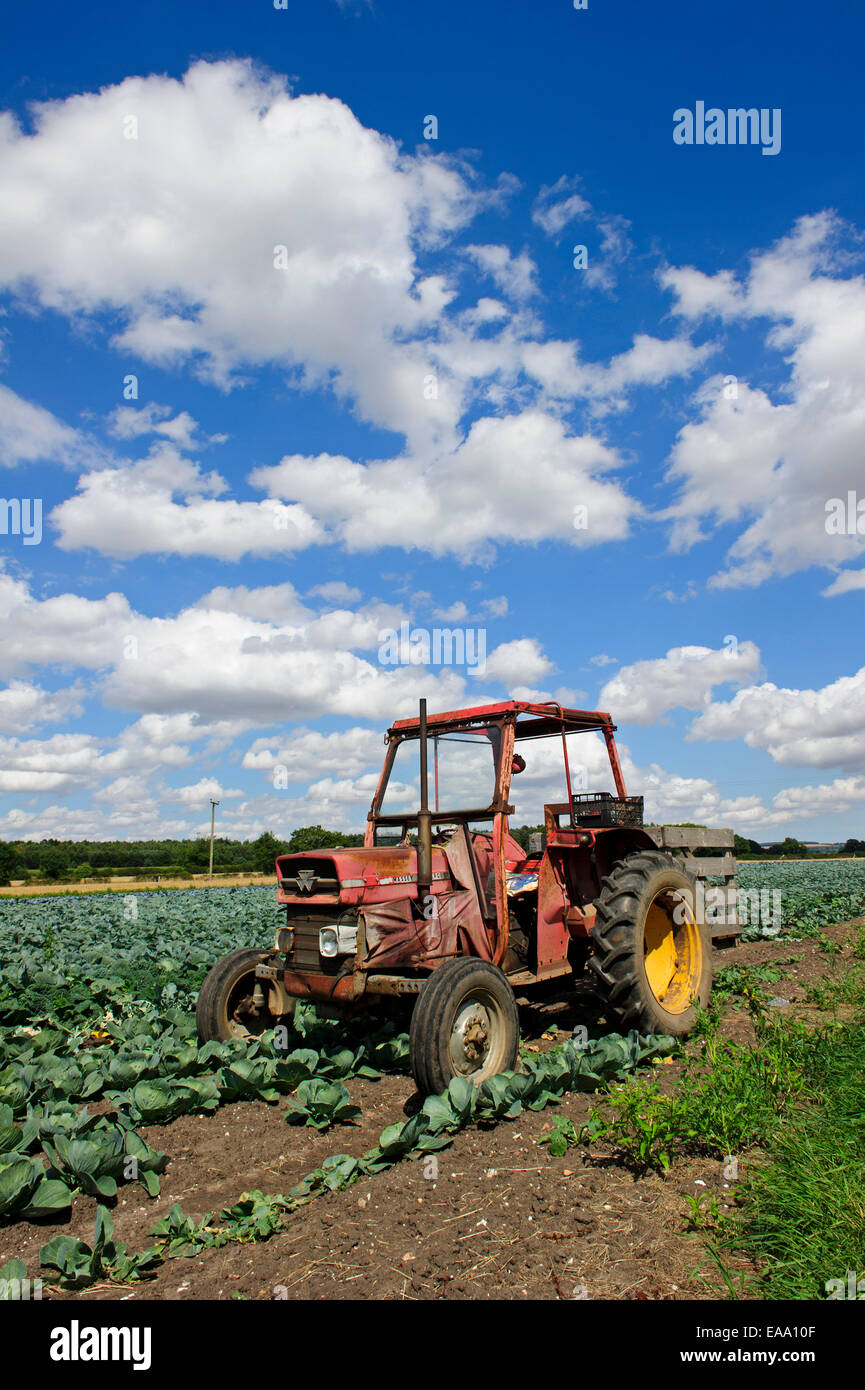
x=213 y=806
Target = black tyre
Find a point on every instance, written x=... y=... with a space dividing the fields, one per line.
x=465 y=1023
x=651 y=959
x=232 y=1003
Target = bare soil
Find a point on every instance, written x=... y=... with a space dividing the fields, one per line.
x=501 y=1218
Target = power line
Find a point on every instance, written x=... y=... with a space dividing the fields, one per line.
x=213 y=806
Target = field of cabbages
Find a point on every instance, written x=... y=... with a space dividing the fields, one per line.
x=135 y=1162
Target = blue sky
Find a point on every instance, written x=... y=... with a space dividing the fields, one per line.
x=372 y=387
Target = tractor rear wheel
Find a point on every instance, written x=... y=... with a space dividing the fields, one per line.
x=651 y=959
x=232 y=1002
x=465 y=1023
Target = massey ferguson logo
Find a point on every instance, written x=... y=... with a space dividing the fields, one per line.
x=305 y=880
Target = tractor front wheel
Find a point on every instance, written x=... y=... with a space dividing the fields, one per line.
x=465 y=1023
x=233 y=1002
x=651 y=959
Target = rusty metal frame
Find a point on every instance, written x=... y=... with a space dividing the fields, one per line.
x=515 y=721
x=546 y=719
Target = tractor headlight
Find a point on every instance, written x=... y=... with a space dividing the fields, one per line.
x=328 y=941
x=337 y=940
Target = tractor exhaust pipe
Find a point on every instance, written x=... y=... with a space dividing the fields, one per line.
x=424 y=826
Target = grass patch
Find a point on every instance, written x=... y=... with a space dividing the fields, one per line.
x=791 y=1104
x=802 y=1209
x=740 y=982
x=727 y=1101
x=843 y=989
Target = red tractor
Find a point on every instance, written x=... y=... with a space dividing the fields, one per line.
x=443 y=906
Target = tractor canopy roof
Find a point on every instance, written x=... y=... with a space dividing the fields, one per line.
x=529 y=720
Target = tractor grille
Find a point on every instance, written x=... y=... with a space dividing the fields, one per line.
x=304 y=954
x=308 y=876
x=602 y=809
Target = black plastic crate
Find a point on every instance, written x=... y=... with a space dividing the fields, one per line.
x=602 y=809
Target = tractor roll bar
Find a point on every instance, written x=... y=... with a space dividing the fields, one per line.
x=424 y=827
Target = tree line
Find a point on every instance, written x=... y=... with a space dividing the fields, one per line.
x=789 y=849
x=79 y=859
x=57 y=860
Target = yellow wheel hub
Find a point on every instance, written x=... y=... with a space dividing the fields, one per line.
x=673 y=953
